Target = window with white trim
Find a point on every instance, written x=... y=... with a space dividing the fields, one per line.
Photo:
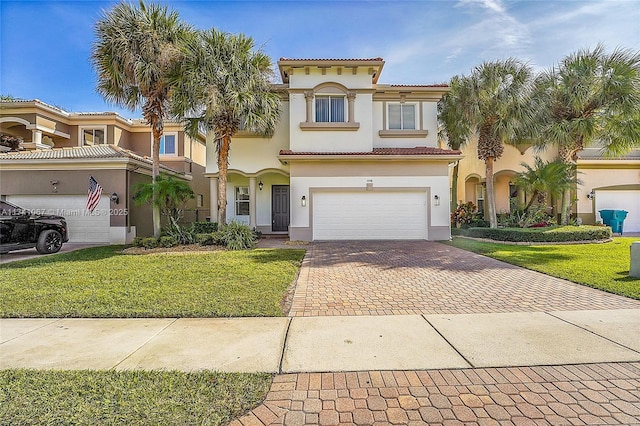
x=169 y=144
x=93 y=135
x=330 y=109
x=242 y=201
x=401 y=117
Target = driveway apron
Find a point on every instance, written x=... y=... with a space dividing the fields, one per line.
x=422 y=277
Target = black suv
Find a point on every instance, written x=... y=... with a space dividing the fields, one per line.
x=22 y=229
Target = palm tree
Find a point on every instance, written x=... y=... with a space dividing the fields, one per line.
x=222 y=86
x=454 y=129
x=546 y=180
x=135 y=52
x=494 y=102
x=590 y=98
x=169 y=195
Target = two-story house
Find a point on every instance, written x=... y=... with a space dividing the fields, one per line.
x=350 y=159
x=61 y=150
x=606 y=183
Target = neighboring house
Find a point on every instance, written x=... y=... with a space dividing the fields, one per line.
x=350 y=158
x=607 y=183
x=62 y=149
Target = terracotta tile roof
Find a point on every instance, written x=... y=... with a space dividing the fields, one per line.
x=598 y=154
x=95 y=151
x=419 y=85
x=80 y=153
x=332 y=59
x=419 y=150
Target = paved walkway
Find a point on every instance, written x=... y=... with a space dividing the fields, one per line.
x=421 y=277
x=595 y=394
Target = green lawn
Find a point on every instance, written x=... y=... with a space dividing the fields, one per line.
x=604 y=266
x=32 y=397
x=102 y=282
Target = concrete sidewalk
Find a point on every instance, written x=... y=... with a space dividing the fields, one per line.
x=320 y=344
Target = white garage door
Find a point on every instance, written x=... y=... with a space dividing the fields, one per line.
x=83 y=228
x=620 y=200
x=369 y=216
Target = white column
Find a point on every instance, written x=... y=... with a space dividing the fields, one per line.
x=213 y=199
x=36 y=137
x=351 y=100
x=308 y=97
x=252 y=202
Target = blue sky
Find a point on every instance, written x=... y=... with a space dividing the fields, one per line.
x=45 y=45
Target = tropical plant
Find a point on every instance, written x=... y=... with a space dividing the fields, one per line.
x=592 y=98
x=11 y=142
x=454 y=129
x=493 y=100
x=222 y=86
x=169 y=195
x=464 y=214
x=546 y=180
x=135 y=53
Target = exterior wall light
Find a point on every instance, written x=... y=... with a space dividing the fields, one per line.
x=436 y=199
x=591 y=195
x=54 y=183
x=115 y=198
x=303 y=201
x=260 y=185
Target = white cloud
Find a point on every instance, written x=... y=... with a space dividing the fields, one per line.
x=494 y=5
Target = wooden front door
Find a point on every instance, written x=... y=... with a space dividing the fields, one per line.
x=279 y=208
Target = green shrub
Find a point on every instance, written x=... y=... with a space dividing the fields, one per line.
x=237 y=236
x=150 y=242
x=204 y=227
x=547 y=235
x=167 y=241
x=210 y=239
x=137 y=241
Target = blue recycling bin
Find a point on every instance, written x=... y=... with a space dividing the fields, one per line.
x=614 y=219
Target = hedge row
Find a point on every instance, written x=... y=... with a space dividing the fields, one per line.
x=554 y=234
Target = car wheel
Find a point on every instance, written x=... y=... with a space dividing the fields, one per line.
x=49 y=241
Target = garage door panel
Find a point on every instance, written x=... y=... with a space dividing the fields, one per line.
x=83 y=228
x=620 y=200
x=369 y=215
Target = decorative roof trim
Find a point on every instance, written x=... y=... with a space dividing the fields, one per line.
x=418 y=153
x=286 y=65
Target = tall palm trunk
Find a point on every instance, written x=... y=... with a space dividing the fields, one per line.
x=155 y=171
x=223 y=165
x=566 y=205
x=454 y=186
x=491 y=202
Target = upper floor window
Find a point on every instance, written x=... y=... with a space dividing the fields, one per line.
x=169 y=144
x=93 y=136
x=330 y=109
x=330 y=106
x=402 y=116
x=242 y=201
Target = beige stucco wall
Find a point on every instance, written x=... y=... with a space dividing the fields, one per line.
x=425 y=121
x=504 y=169
x=250 y=154
x=600 y=176
x=70 y=182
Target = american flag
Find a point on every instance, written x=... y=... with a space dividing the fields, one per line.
x=93 y=196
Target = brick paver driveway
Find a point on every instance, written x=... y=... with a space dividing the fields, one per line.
x=421 y=277
x=390 y=278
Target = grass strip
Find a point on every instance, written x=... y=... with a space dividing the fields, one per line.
x=604 y=266
x=34 y=397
